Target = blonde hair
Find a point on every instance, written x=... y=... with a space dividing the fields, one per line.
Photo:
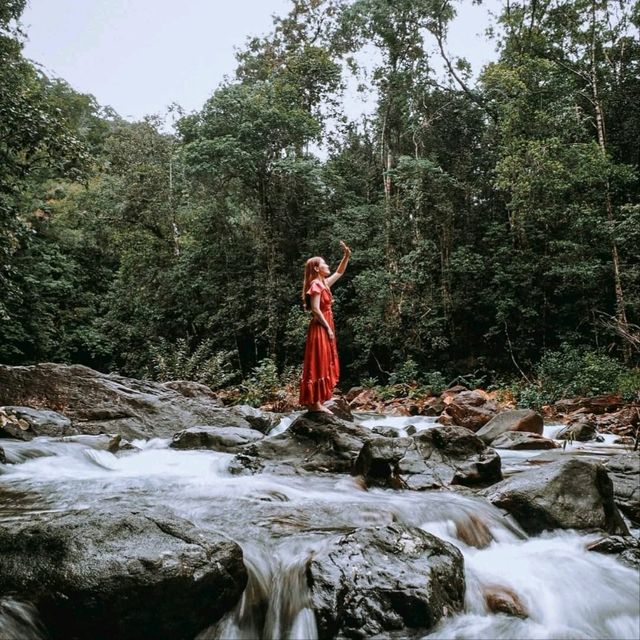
x=310 y=274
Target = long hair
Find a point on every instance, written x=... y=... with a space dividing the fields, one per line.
x=309 y=274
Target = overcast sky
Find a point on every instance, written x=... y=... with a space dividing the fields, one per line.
x=139 y=56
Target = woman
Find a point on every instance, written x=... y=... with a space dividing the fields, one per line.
x=321 y=369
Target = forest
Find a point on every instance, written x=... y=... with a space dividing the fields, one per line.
x=494 y=220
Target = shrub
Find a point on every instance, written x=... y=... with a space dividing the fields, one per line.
x=204 y=364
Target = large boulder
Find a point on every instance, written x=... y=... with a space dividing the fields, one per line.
x=313 y=442
x=470 y=409
x=515 y=420
x=120 y=574
x=24 y=423
x=99 y=403
x=386 y=579
x=430 y=459
x=624 y=470
x=572 y=493
x=226 y=439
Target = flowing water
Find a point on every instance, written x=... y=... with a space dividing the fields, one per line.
x=280 y=521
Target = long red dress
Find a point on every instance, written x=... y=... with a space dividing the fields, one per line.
x=321 y=368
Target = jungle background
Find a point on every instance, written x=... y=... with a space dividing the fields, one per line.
x=494 y=222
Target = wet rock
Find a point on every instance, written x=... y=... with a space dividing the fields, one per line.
x=25 y=423
x=3 y=459
x=262 y=421
x=432 y=458
x=313 y=442
x=519 y=440
x=624 y=471
x=340 y=408
x=120 y=574
x=433 y=406
x=473 y=531
x=101 y=442
x=354 y=392
x=583 y=431
x=501 y=599
x=470 y=409
x=227 y=439
x=386 y=432
x=517 y=420
x=99 y=403
x=596 y=404
x=191 y=389
x=568 y=494
x=626 y=548
x=385 y=579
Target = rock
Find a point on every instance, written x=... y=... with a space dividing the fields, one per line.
x=313 y=442
x=433 y=406
x=99 y=403
x=191 y=389
x=262 y=421
x=431 y=459
x=472 y=530
x=364 y=399
x=583 y=431
x=572 y=493
x=624 y=470
x=3 y=459
x=386 y=432
x=596 y=404
x=120 y=574
x=501 y=599
x=25 y=423
x=520 y=440
x=384 y=579
x=517 y=420
x=626 y=548
x=353 y=393
x=101 y=442
x=227 y=439
x=470 y=409
x=340 y=408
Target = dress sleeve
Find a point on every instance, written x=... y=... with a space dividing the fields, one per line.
x=316 y=287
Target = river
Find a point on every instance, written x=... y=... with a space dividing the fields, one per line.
x=280 y=521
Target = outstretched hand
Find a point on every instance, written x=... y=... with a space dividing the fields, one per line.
x=345 y=249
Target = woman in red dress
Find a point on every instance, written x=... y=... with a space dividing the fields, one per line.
x=321 y=368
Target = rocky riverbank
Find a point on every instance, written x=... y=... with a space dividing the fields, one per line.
x=131 y=558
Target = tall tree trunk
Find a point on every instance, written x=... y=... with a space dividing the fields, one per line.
x=621 y=316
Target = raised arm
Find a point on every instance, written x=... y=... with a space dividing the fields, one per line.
x=346 y=254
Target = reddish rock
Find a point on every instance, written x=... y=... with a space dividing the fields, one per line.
x=501 y=599
x=470 y=409
x=518 y=420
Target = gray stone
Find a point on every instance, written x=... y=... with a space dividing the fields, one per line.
x=26 y=423
x=520 y=440
x=583 y=431
x=99 y=575
x=227 y=439
x=384 y=579
x=572 y=493
x=431 y=459
x=625 y=548
x=624 y=470
x=99 y=403
x=517 y=420
x=313 y=442
x=262 y=421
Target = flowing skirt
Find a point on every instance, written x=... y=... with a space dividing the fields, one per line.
x=321 y=368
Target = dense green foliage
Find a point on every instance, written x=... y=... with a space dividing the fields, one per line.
x=492 y=220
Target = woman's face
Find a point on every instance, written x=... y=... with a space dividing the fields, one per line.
x=323 y=269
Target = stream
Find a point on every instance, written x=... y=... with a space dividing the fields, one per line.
x=281 y=521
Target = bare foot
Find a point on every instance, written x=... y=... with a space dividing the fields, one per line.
x=319 y=408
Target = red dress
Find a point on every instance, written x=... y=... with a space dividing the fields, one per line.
x=321 y=369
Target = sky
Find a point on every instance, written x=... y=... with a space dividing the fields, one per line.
x=140 y=56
